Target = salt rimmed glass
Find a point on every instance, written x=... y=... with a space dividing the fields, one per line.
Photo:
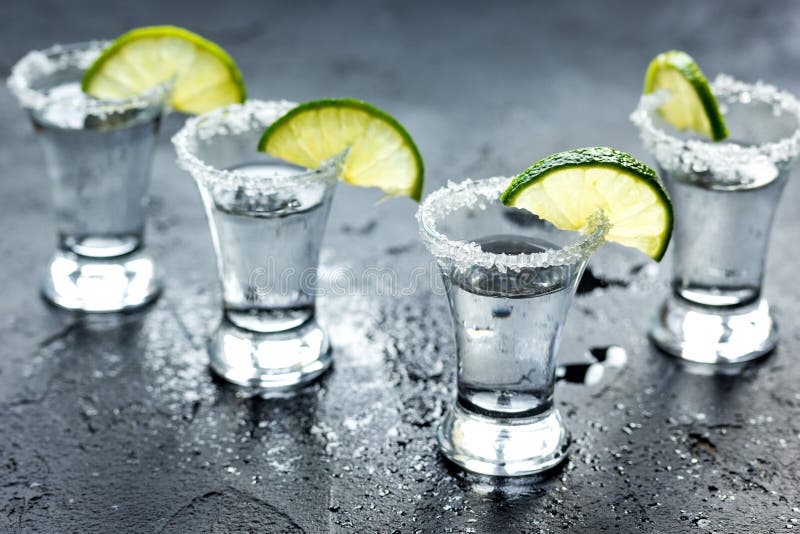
x=267 y=218
x=724 y=197
x=98 y=154
x=510 y=279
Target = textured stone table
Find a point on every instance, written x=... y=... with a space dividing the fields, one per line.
x=111 y=424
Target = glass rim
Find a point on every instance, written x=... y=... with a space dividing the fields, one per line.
x=476 y=193
x=47 y=61
x=237 y=119
x=725 y=159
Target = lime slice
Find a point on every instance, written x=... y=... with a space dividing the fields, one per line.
x=205 y=77
x=568 y=187
x=691 y=105
x=382 y=154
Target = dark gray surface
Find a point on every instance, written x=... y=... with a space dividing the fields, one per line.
x=114 y=424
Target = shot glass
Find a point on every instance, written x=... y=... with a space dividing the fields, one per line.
x=98 y=154
x=724 y=195
x=267 y=218
x=510 y=278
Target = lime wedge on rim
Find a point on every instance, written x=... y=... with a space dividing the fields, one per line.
x=382 y=153
x=205 y=76
x=568 y=187
x=690 y=105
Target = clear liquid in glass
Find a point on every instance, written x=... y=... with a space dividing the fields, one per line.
x=721 y=236
x=268 y=248
x=100 y=169
x=507 y=328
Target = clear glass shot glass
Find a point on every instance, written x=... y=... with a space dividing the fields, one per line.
x=510 y=279
x=98 y=154
x=267 y=219
x=724 y=196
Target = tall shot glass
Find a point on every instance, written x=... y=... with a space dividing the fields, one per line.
x=724 y=197
x=267 y=219
x=98 y=154
x=510 y=279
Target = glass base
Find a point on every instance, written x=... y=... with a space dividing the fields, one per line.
x=87 y=284
x=275 y=361
x=703 y=334
x=503 y=447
